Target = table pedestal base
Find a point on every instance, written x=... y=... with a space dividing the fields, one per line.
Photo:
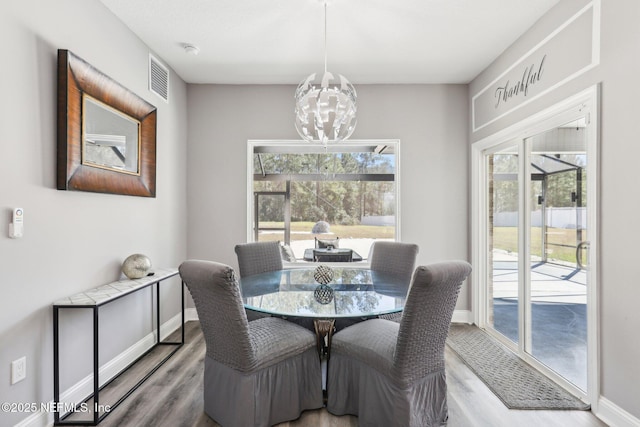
x=324 y=328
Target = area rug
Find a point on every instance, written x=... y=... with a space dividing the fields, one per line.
x=517 y=384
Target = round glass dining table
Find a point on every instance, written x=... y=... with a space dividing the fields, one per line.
x=353 y=293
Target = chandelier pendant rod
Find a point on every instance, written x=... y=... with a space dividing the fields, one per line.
x=325 y=106
x=325 y=37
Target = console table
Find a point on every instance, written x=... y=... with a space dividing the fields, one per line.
x=93 y=299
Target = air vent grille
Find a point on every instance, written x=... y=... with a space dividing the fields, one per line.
x=158 y=78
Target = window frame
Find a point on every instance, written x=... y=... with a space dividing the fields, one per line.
x=306 y=147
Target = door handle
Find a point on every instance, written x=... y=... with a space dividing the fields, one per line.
x=582 y=246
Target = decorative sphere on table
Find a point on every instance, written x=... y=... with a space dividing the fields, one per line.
x=136 y=266
x=323 y=274
x=323 y=294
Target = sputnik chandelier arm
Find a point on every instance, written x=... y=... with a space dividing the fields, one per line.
x=325 y=107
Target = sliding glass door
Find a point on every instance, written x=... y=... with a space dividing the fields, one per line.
x=558 y=237
x=534 y=229
x=503 y=196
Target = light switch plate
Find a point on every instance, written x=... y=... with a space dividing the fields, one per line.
x=18 y=370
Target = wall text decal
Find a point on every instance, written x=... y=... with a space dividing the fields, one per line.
x=531 y=75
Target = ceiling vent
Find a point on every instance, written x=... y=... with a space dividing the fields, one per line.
x=158 y=78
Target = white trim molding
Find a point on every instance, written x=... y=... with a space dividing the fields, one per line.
x=190 y=314
x=462 y=316
x=569 y=51
x=613 y=415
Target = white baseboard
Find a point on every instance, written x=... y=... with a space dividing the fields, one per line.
x=190 y=314
x=37 y=419
x=83 y=388
x=613 y=415
x=462 y=316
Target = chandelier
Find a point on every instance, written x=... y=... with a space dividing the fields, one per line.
x=325 y=104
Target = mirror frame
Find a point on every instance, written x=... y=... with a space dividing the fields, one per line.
x=75 y=78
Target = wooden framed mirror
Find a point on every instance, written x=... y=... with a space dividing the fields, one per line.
x=106 y=133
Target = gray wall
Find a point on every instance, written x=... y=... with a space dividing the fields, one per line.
x=619 y=155
x=74 y=240
x=429 y=120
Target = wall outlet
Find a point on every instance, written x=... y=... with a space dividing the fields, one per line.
x=18 y=370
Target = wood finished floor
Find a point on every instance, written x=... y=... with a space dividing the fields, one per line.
x=172 y=397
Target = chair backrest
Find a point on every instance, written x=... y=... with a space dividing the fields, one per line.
x=326 y=243
x=395 y=258
x=338 y=256
x=426 y=319
x=258 y=257
x=223 y=320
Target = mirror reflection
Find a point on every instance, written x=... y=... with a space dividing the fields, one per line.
x=111 y=139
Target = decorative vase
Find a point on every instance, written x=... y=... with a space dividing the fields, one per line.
x=136 y=266
x=323 y=274
x=323 y=294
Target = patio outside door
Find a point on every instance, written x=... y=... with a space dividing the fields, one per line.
x=537 y=249
x=272 y=215
x=558 y=244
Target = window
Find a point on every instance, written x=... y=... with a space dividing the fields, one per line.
x=345 y=193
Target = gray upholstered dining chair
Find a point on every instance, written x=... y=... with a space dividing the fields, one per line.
x=390 y=373
x=256 y=373
x=256 y=258
x=395 y=258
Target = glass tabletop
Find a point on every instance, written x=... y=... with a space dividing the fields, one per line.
x=353 y=292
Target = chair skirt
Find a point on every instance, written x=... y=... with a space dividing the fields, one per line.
x=266 y=397
x=355 y=388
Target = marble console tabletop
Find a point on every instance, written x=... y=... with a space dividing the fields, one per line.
x=117 y=289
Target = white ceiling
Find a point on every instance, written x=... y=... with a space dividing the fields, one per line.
x=369 y=41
